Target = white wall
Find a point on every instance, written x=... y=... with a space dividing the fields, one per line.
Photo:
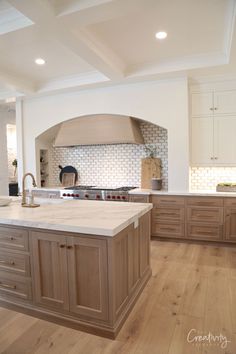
x=6 y=117
x=164 y=103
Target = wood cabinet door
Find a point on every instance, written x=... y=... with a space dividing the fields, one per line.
x=230 y=224
x=225 y=102
x=202 y=104
x=144 y=242
x=49 y=261
x=87 y=272
x=202 y=141
x=224 y=140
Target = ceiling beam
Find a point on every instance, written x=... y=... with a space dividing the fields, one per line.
x=71 y=6
x=15 y=82
x=81 y=42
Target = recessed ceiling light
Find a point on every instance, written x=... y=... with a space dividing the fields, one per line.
x=40 y=61
x=161 y=35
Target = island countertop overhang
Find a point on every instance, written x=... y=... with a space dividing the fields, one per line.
x=77 y=216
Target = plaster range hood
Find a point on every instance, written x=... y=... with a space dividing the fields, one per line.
x=98 y=130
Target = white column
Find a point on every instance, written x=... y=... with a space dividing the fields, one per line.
x=3 y=155
x=20 y=139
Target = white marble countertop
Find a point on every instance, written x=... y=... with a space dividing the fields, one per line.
x=80 y=216
x=190 y=193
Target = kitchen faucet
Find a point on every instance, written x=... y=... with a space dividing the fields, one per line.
x=23 y=202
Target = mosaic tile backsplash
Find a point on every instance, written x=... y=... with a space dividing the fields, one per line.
x=111 y=165
x=206 y=178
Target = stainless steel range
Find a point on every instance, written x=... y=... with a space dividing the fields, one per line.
x=96 y=193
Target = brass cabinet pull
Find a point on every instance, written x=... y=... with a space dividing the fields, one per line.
x=12 y=238
x=168 y=214
x=206 y=233
x=167 y=229
x=69 y=247
x=7 y=262
x=62 y=246
x=7 y=285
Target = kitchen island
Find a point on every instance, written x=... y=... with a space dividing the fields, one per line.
x=78 y=263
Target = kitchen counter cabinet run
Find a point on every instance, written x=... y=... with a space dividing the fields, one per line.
x=83 y=281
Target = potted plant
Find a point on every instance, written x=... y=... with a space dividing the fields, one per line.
x=151 y=150
x=14 y=163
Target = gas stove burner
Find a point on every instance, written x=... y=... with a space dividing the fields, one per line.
x=97 y=193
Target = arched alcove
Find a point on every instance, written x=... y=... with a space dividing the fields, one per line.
x=103 y=164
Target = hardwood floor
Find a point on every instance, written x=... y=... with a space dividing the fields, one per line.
x=193 y=287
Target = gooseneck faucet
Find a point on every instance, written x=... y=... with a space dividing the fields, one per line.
x=23 y=186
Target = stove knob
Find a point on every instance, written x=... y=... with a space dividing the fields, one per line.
x=108 y=197
x=118 y=197
x=123 y=197
x=113 y=197
x=68 y=194
x=72 y=195
x=64 y=194
x=98 y=196
x=86 y=196
x=77 y=195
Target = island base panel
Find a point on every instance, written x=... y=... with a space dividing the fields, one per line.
x=119 y=271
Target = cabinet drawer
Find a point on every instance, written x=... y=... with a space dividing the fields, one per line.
x=14 y=238
x=168 y=230
x=205 y=232
x=172 y=214
x=139 y=198
x=205 y=201
x=230 y=202
x=205 y=214
x=14 y=285
x=167 y=200
x=15 y=262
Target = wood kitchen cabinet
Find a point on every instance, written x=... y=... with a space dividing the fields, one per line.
x=141 y=198
x=199 y=218
x=88 y=281
x=213 y=127
x=70 y=274
x=168 y=216
x=230 y=224
x=204 y=218
x=49 y=263
x=15 y=274
x=87 y=275
x=230 y=219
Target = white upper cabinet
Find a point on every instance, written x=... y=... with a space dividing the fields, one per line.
x=217 y=102
x=225 y=102
x=202 y=141
x=213 y=128
x=202 y=104
x=225 y=140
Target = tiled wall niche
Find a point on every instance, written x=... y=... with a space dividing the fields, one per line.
x=207 y=178
x=111 y=165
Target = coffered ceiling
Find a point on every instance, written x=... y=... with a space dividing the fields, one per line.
x=88 y=43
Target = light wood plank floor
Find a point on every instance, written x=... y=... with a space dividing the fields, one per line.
x=193 y=287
